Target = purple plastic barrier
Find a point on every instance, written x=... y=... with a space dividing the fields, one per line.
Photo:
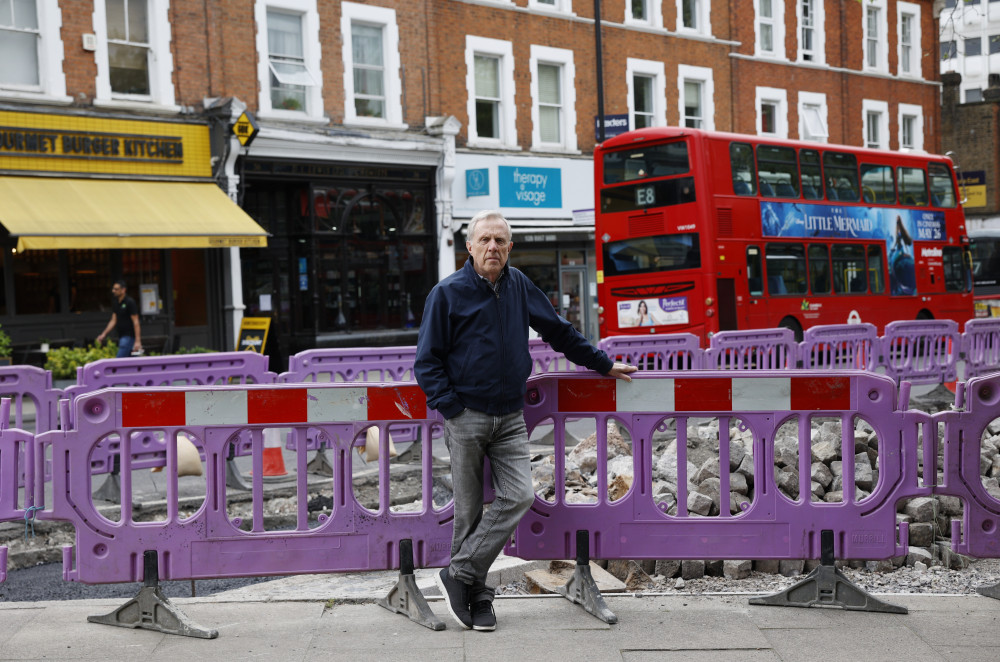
x=840 y=347
x=773 y=526
x=16 y=462
x=209 y=543
x=353 y=364
x=921 y=351
x=981 y=347
x=965 y=432
x=24 y=383
x=210 y=369
x=756 y=349
x=663 y=351
x=544 y=359
x=175 y=370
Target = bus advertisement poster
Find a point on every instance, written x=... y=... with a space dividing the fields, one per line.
x=899 y=228
x=653 y=312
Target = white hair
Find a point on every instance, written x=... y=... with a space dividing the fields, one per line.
x=486 y=214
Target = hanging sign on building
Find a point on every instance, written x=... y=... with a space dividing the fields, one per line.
x=530 y=187
x=614 y=125
x=973 y=185
x=245 y=128
x=477 y=182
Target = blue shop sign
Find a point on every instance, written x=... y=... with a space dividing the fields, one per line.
x=530 y=187
x=477 y=182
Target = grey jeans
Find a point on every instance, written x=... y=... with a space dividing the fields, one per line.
x=479 y=537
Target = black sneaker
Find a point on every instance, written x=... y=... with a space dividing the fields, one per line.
x=483 y=618
x=456 y=597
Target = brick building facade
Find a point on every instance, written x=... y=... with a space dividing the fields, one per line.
x=385 y=124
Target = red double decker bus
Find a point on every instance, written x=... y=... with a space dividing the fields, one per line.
x=701 y=231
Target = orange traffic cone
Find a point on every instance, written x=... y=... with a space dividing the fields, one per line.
x=274 y=461
x=950 y=386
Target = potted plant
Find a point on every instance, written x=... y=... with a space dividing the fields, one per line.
x=5 y=348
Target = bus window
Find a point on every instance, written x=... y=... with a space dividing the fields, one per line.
x=841 y=172
x=956 y=274
x=986 y=264
x=644 y=161
x=812 y=175
x=657 y=253
x=912 y=187
x=778 y=171
x=878 y=184
x=942 y=188
x=754 y=281
x=849 y=269
x=876 y=280
x=819 y=269
x=741 y=162
x=786 y=268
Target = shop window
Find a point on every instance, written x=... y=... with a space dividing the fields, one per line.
x=90 y=281
x=36 y=282
x=191 y=302
x=375 y=255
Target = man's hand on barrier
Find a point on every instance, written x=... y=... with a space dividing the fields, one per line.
x=621 y=370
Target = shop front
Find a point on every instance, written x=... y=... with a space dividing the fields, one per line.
x=549 y=203
x=85 y=200
x=352 y=254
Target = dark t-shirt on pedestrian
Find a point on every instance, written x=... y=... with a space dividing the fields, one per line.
x=124 y=310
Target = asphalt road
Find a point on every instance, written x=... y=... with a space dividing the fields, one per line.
x=45 y=582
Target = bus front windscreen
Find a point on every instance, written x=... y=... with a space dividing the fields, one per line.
x=639 y=255
x=645 y=161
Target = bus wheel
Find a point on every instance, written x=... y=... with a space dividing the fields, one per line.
x=925 y=315
x=793 y=324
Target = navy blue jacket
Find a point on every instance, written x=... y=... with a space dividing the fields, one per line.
x=472 y=350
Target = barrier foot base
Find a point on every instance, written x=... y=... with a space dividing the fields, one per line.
x=111 y=489
x=151 y=610
x=826 y=586
x=581 y=588
x=990 y=591
x=320 y=464
x=234 y=479
x=405 y=597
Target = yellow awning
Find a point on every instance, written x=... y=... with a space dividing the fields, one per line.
x=51 y=213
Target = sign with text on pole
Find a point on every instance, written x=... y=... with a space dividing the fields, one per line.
x=530 y=187
x=614 y=125
x=245 y=128
x=253 y=334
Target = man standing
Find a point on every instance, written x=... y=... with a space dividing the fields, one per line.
x=124 y=318
x=473 y=363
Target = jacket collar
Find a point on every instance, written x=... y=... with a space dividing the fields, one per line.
x=470 y=267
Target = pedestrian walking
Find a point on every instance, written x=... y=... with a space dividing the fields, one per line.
x=125 y=320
